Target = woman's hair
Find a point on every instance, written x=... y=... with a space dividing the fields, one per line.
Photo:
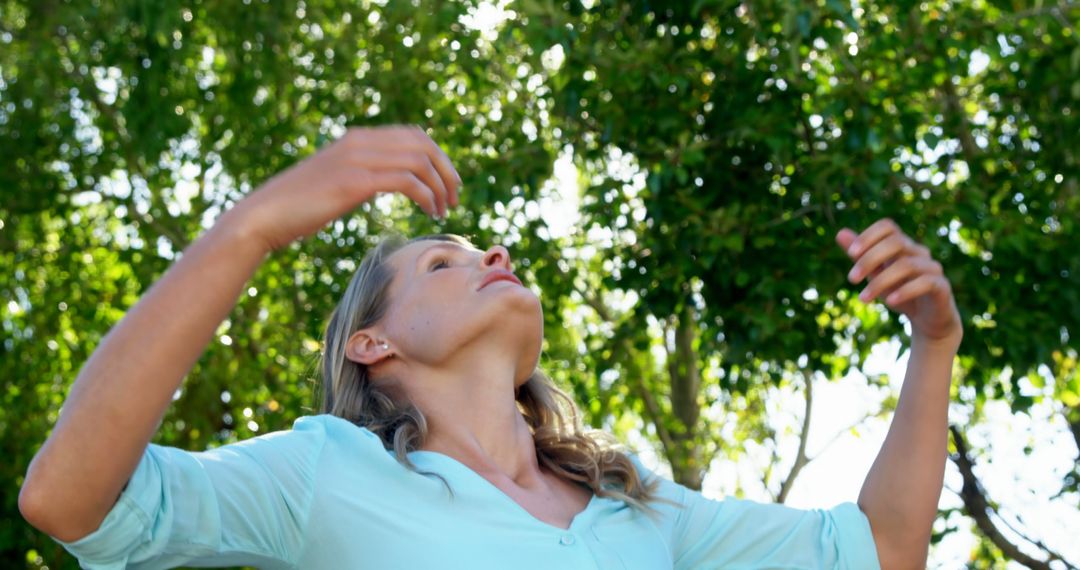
x=348 y=391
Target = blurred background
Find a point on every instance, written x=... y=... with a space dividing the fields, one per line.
x=668 y=176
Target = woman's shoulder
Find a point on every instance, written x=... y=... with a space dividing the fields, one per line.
x=309 y=434
x=339 y=434
x=334 y=428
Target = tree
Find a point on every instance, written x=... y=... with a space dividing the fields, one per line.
x=762 y=128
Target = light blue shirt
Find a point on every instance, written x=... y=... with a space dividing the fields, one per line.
x=326 y=494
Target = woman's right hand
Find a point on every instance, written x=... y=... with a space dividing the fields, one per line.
x=339 y=177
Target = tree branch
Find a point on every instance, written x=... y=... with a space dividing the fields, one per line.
x=801 y=460
x=979 y=509
x=685 y=391
x=652 y=407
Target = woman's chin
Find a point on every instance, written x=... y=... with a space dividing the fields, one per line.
x=512 y=295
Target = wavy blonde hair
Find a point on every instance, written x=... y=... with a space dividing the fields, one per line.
x=589 y=458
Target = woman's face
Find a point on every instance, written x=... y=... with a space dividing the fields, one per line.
x=445 y=312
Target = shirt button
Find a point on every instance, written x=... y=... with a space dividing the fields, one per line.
x=566 y=540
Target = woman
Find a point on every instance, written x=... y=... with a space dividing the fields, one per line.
x=430 y=386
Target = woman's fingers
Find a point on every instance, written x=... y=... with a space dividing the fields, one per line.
x=408 y=184
x=905 y=276
x=873 y=259
x=917 y=287
x=875 y=248
x=877 y=231
x=413 y=139
x=900 y=272
x=365 y=161
x=416 y=163
x=885 y=256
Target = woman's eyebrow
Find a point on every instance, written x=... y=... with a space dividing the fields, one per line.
x=440 y=246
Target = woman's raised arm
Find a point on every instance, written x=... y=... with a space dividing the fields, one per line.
x=119 y=397
x=900 y=494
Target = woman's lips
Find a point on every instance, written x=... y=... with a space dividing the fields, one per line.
x=498 y=276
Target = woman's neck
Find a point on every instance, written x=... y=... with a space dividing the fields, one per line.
x=487 y=433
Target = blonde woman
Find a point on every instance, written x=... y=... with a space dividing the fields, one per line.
x=440 y=445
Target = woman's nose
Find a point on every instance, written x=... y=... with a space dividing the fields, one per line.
x=497 y=256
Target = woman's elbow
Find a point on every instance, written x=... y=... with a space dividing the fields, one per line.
x=32 y=508
x=63 y=525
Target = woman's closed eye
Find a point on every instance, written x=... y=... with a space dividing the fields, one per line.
x=438 y=263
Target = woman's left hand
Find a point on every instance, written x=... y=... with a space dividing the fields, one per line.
x=904 y=275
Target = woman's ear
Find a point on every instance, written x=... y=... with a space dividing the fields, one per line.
x=363 y=347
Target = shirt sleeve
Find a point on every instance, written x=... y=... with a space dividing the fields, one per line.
x=739 y=533
x=241 y=504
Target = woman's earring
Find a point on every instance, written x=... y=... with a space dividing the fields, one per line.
x=385 y=346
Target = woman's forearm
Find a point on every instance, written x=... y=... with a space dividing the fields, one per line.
x=901 y=492
x=122 y=392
